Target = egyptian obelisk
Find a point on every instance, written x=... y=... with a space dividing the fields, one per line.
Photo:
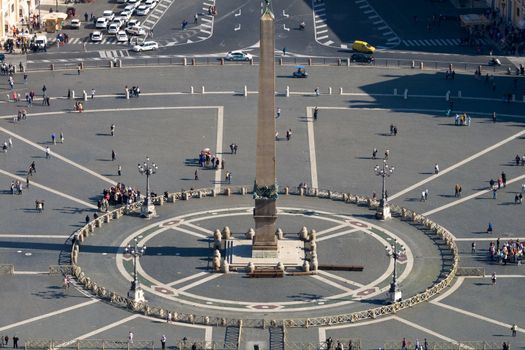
x=265 y=187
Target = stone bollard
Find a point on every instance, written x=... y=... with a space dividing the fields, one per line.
x=126 y=91
x=225 y=268
x=348 y=62
x=160 y=201
x=251 y=62
x=251 y=267
x=306 y=266
x=280 y=266
x=193 y=61
x=523 y=98
x=119 y=63
x=280 y=61
x=118 y=214
x=214 y=192
x=413 y=64
x=315 y=264
x=459 y=94
x=313 y=235
x=192 y=90
x=447 y=95
x=52 y=66
x=309 y=61
x=107 y=218
x=303 y=234
x=301 y=191
x=203 y=91
x=222 y=61
x=405 y=96
x=421 y=65
x=185 y=196
x=279 y=233
x=84 y=95
x=72 y=94
x=338 y=61
x=226 y=232
x=98 y=223
x=329 y=90
x=513 y=97
x=286 y=190
x=288 y=92
x=217 y=239
x=81 y=64
x=184 y=61
x=313 y=247
x=340 y=91
x=243 y=191
x=395 y=92
x=201 y=194
x=250 y=233
x=228 y=191
x=245 y=91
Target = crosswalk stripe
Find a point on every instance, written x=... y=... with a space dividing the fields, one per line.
x=321 y=26
x=205 y=31
x=456 y=41
x=364 y=6
x=382 y=27
x=322 y=37
x=432 y=42
x=450 y=42
x=329 y=42
x=378 y=22
x=368 y=11
x=102 y=54
x=322 y=31
x=405 y=42
x=427 y=42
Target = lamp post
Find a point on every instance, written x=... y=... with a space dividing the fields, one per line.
x=394 y=293
x=383 y=211
x=135 y=292
x=148 y=168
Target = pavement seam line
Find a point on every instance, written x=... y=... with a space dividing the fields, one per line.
x=218 y=148
x=62 y=158
x=311 y=148
x=426 y=330
x=458 y=164
x=49 y=189
x=50 y=314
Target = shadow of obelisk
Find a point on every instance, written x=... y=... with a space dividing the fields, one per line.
x=265 y=187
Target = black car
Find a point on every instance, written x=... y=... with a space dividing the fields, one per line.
x=361 y=58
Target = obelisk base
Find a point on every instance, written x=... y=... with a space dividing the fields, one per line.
x=265 y=242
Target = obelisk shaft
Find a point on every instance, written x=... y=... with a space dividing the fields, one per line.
x=265 y=212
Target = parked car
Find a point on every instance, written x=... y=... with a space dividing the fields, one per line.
x=300 y=72
x=101 y=23
x=96 y=36
x=361 y=58
x=142 y=10
x=146 y=46
x=113 y=28
x=118 y=20
x=363 y=46
x=133 y=23
x=151 y=4
x=238 y=56
x=136 y=31
x=74 y=24
x=108 y=14
x=126 y=15
x=122 y=37
x=130 y=8
x=121 y=1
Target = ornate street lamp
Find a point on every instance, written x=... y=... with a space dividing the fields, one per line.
x=383 y=211
x=394 y=293
x=135 y=292
x=148 y=168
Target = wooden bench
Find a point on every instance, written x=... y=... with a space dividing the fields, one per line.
x=266 y=273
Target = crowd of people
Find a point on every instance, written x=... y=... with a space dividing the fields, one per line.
x=120 y=194
x=510 y=251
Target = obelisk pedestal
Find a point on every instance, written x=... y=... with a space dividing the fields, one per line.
x=265 y=188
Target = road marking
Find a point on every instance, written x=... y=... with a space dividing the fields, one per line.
x=49 y=189
x=311 y=147
x=488 y=239
x=457 y=165
x=450 y=290
x=322 y=37
x=198 y=235
x=30 y=272
x=322 y=330
x=477 y=316
x=333 y=235
x=201 y=281
x=339 y=278
x=426 y=330
x=185 y=279
x=50 y=314
x=202 y=229
x=8 y=235
x=332 y=283
x=64 y=159
x=218 y=148
x=331 y=229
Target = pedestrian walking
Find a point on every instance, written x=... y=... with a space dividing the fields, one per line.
x=15 y=342
x=494 y=193
x=6 y=340
x=374 y=153
x=168 y=317
x=284 y=51
x=44 y=89
x=61 y=137
x=53 y=138
x=316 y=90
x=490 y=228
x=130 y=337
x=113 y=155
x=436 y=168
x=48 y=152
x=112 y=129
x=25 y=78
x=228 y=177
x=10 y=142
x=119 y=170
x=79 y=67
x=493 y=278
x=92 y=94
x=27 y=181
x=163 y=342
x=387 y=153
x=278 y=113
x=196 y=175
x=473 y=248
x=514 y=329
x=196 y=19
x=427 y=194
x=494 y=117
x=316 y=111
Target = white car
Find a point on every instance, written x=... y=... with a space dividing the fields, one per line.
x=122 y=37
x=136 y=31
x=146 y=46
x=238 y=56
x=130 y=8
x=118 y=20
x=142 y=10
x=121 y=1
x=96 y=36
x=113 y=28
x=151 y=4
x=74 y=24
x=108 y=14
x=134 y=2
x=126 y=15
x=102 y=23
x=133 y=23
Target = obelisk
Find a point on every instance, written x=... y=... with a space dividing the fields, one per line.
x=265 y=187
